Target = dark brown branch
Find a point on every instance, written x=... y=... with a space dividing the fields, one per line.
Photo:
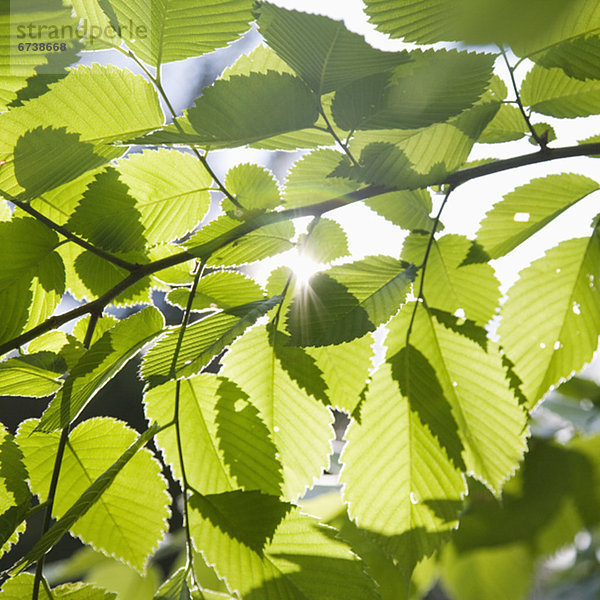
x=204 y=251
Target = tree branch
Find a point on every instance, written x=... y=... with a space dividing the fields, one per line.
x=205 y=250
x=66 y=233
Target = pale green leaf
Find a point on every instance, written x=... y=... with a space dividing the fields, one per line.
x=14 y=493
x=322 y=51
x=437 y=85
x=552 y=92
x=160 y=32
x=18 y=378
x=409 y=209
x=398 y=479
x=32 y=275
x=216 y=422
x=124 y=513
x=254 y=246
x=578 y=57
x=222 y=289
x=488 y=573
x=83 y=112
x=89 y=276
x=326 y=242
x=309 y=182
x=24 y=75
x=507 y=125
x=241 y=110
x=146 y=199
x=299 y=424
x=551 y=320
x=417 y=158
x=345 y=369
x=21 y=586
x=99 y=364
x=451 y=282
x=225 y=242
x=347 y=301
x=530 y=207
x=259 y=60
x=269 y=550
x=253 y=187
x=175 y=588
x=491 y=424
x=201 y=341
x=526 y=25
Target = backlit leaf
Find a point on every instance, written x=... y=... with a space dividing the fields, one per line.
x=124 y=522
x=530 y=207
x=551 y=320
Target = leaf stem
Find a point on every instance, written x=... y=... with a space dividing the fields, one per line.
x=202 y=158
x=419 y=297
x=66 y=233
x=184 y=481
x=336 y=137
x=62 y=444
x=541 y=143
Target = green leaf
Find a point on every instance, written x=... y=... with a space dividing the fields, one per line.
x=222 y=289
x=299 y=424
x=552 y=92
x=488 y=573
x=89 y=108
x=201 y=342
x=345 y=369
x=253 y=187
x=174 y=30
x=326 y=242
x=409 y=209
x=99 y=364
x=322 y=51
x=110 y=493
x=418 y=499
x=346 y=302
x=506 y=126
x=481 y=21
x=18 y=378
x=90 y=276
x=25 y=75
x=259 y=60
x=21 y=586
x=241 y=110
x=450 y=283
x=551 y=320
x=175 y=588
x=15 y=497
x=530 y=207
x=32 y=275
x=437 y=85
x=417 y=158
x=217 y=422
x=268 y=549
x=147 y=199
x=578 y=57
x=309 y=181
x=491 y=424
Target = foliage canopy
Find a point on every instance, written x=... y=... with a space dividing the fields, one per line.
x=108 y=194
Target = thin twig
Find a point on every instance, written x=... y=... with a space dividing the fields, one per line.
x=541 y=143
x=419 y=297
x=336 y=137
x=24 y=206
x=62 y=444
x=202 y=158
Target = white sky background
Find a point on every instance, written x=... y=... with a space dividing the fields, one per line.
x=370 y=234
